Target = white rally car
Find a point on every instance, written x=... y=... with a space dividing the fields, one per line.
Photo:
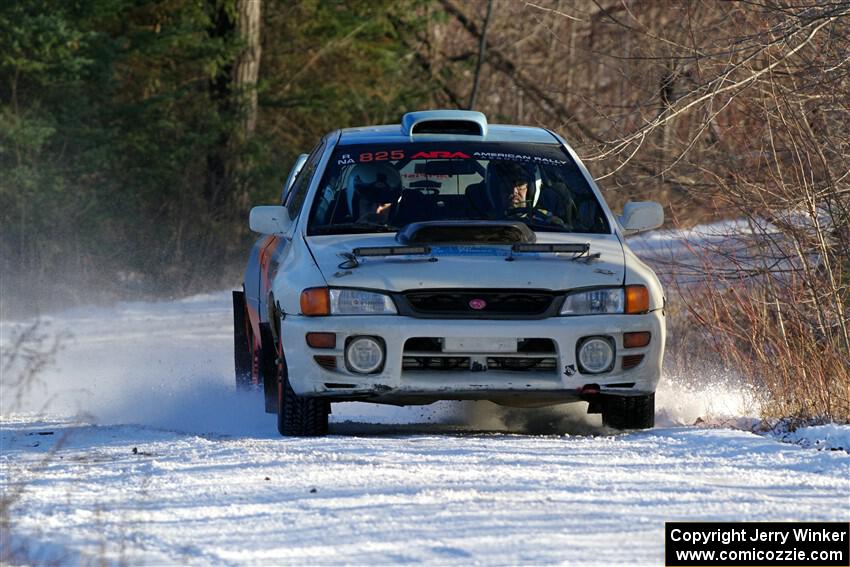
x=446 y=258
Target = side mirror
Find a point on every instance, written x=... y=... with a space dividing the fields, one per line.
x=272 y=219
x=641 y=216
x=293 y=173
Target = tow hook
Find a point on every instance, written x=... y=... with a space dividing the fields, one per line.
x=478 y=364
x=590 y=394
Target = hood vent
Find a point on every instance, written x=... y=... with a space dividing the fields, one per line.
x=448 y=122
x=466 y=232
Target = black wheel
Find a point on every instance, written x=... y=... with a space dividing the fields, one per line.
x=298 y=416
x=629 y=412
x=242 y=347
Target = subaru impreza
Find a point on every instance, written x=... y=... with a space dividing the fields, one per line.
x=446 y=258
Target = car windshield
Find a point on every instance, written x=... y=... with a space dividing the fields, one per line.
x=382 y=188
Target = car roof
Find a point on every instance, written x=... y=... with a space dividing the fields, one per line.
x=392 y=133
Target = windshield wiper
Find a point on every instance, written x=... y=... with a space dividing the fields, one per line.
x=352 y=228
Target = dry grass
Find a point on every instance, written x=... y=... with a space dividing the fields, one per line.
x=22 y=360
x=781 y=326
x=796 y=369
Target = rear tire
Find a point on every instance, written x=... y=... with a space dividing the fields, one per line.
x=242 y=348
x=299 y=416
x=629 y=412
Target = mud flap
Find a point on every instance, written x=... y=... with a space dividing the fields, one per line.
x=268 y=366
x=241 y=347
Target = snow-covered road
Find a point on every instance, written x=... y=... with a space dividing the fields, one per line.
x=146 y=455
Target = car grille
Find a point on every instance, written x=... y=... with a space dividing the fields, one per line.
x=461 y=363
x=424 y=354
x=489 y=303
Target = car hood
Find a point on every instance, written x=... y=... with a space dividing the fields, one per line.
x=459 y=266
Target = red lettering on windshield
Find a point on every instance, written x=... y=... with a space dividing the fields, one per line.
x=440 y=155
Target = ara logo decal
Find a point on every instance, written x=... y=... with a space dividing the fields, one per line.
x=477 y=304
x=440 y=155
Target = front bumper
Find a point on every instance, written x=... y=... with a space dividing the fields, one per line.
x=560 y=380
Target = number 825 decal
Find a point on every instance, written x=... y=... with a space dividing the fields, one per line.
x=381 y=156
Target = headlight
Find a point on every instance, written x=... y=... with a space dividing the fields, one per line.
x=595 y=301
x=629 y=299
x=358 y=302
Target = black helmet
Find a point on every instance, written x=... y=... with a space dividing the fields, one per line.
x=373 y=182
x=509 y=172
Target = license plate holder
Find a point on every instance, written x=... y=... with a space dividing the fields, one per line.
x=480 y=344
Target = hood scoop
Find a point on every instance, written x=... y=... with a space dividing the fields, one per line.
x=466 y=232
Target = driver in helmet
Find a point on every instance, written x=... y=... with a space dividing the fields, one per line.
x=508 y=184
x=519 y=192
x=375 y=200
x=513 y=189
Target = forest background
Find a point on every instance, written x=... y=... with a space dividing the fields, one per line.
x=135 y=135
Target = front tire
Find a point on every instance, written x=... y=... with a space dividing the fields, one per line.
x=298 y=416
x=629 y=412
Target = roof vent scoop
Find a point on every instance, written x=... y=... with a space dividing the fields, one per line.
x=451 y=122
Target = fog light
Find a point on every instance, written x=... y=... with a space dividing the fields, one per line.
x=364 y=355
x=595 y=355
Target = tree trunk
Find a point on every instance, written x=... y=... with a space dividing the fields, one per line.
x=246 y=72
x=246 y=68
x=235 y=91
x=482 y=47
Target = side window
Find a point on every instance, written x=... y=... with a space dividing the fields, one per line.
x=302 y=182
